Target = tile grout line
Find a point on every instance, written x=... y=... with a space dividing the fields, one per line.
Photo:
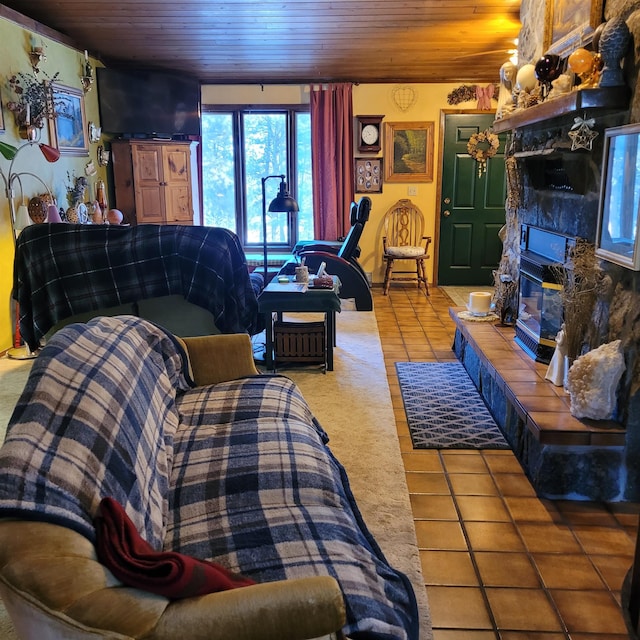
x=470 y=550
x=529 y=554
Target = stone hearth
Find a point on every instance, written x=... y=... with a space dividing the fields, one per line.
x=563 y=457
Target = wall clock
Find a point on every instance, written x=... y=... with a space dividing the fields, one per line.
x=368 y=175
x=369 y=133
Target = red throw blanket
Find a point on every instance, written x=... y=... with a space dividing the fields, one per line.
x=133 y=561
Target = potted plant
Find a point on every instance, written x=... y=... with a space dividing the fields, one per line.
x=33 y=104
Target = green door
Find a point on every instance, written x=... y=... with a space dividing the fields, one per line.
x=472 y=205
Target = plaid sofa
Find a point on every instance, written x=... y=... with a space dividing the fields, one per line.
x=229 y=468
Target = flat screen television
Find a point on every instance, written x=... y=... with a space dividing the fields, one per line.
x=144 y=103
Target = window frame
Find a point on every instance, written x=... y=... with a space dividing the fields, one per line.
x=237 y=113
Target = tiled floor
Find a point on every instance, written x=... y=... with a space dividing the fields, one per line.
x=498 y=562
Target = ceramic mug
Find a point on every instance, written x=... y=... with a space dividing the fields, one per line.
x=302 y=274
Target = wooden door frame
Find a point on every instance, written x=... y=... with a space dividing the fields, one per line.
x=443 y=114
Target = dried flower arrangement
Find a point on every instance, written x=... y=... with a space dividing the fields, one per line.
x=462 y=94
x=33 y=104
x=579 y=277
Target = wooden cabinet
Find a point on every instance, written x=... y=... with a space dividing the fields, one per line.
x=155 y=181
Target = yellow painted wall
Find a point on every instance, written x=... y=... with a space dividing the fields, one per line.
x=16 y=42
x=377 y=99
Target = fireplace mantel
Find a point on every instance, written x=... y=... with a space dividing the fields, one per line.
x=593 y=101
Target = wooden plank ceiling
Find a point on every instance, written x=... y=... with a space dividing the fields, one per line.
x=292 y=41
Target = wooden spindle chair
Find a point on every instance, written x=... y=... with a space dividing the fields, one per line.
x=404 y=240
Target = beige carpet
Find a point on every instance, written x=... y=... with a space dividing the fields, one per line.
x=353 y=404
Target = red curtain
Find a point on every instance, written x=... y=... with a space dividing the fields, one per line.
x=331 y=159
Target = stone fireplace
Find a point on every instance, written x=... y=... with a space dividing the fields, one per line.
x=552 y=199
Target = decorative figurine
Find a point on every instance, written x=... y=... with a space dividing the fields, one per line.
x=505 y=94
x=556 y=370
x=613 y=45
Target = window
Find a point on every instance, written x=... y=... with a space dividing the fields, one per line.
x=239 y=148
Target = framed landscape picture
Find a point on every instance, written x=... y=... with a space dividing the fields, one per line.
x=68 y=127
x=408 y=151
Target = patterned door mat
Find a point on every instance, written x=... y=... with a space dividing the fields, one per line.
x=444 y=409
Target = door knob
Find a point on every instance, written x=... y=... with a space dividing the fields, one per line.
x=446 y=213
x=447 y=200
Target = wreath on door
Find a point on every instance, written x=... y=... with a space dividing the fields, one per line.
x=481 y=147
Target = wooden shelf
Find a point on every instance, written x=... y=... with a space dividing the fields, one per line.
x=602 y=99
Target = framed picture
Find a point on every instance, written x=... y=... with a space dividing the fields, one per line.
x=68 y=128
x=368 y=175
x=569 y=24
x=408 y=148
x=618 y=236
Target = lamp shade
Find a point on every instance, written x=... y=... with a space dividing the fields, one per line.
x=53 y=215
x=283 y=201
x=22 y=218
x=8 y=150
x=51 y=154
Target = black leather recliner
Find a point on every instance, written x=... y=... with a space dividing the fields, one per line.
x=341 y=259
x=359 y=214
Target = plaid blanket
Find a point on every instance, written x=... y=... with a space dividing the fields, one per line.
x=96 y=418
x=255 y=487
x=238 y=473
x=61 y=270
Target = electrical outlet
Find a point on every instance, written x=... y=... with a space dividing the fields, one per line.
x=412 y=191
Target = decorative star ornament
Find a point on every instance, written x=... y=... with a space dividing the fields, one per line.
x=582 y=135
